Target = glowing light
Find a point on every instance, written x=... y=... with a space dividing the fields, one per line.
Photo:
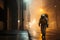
x=42 y=11
x=18 y=21
x=41 y=34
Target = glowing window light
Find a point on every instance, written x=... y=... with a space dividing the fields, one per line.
x=18 y=21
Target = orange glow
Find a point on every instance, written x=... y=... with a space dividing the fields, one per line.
x=41 y=10
x=36 y=9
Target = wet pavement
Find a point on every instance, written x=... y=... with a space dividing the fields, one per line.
x=17 y=35
x=23 y=35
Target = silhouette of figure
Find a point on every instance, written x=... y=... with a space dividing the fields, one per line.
x=43 y=22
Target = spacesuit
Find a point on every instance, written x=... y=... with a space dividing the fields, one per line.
x=43 y=22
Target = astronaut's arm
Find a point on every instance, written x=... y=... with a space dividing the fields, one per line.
x=47 y=22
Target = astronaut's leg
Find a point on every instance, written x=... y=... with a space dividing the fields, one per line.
x=43 y=31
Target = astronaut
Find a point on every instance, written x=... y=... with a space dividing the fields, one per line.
x=43 y=23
